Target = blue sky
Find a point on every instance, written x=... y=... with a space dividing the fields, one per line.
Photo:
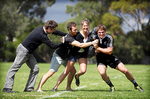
x=57 y=11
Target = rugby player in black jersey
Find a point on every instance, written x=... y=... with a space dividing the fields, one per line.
x=73 y=31
x=105 y=56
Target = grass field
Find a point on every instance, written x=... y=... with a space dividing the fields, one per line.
x=91 y=86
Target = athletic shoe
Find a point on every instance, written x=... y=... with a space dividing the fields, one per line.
x=40 y=91
x=112 y=89
x=8 y=90
x=139 y=88
x=29 y=90
x=54 y=90
x=77 y=81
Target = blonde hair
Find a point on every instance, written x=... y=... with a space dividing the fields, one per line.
x=86 y=21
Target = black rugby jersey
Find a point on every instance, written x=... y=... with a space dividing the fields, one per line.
x=77 y=52
x=64 y=49
x=107 y=41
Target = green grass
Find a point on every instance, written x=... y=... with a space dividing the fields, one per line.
x=91 y=86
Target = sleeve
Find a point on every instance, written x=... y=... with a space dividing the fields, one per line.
x=110 y=42
x=52 y=45
x=94 y=33
x=69 y=39
x=91 y=37
x=59 y=33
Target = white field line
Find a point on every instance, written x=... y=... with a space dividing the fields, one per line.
x=117 y=77
x=94 y=84
x=57 y=94
x=144 y=70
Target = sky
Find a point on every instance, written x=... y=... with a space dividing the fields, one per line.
x=57 y=11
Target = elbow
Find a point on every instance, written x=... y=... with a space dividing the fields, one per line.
x=110 y=52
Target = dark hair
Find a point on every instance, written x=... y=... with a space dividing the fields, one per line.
x=51 y=23
x=70 y=24
x=102 y=27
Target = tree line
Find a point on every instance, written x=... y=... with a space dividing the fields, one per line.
x=20 y=17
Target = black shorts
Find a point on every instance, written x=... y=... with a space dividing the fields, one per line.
x=112 y=62
x=74 y=58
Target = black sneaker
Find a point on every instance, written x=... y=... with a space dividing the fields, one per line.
x=112 y=89
x=29 y=90
x=8 y=90
x=77 y=81
x=54 y=90
x=139 y=88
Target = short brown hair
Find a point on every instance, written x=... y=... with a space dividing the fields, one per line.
x=51 y=23
x=70 y=24
x=101 y=27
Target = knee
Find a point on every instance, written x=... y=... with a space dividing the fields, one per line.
x=102 y=73
x=73 y=71
x=36 y=70
x=125 y=71
x=83 y=71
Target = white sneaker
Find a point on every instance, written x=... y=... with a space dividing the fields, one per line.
x=40 y=91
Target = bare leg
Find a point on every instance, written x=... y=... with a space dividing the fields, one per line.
x=44 y=79
x=121 y=67
x=102 y=70
x=105 y=77
x=83 y=67
x=68 y=68
x=70 y=78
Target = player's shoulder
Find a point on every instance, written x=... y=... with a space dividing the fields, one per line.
x=109 y=36
x=94 y=30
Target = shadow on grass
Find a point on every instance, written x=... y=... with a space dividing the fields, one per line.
x=90 y=90
x=74 y=91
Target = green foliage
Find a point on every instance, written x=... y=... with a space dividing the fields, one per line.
x=16 y=18
x=112 y=23
x=10 y=51
x=90 y=10
x=2 y=46
x=137 y=10
x=129 y=49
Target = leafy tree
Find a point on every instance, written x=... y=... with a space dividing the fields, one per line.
x=82 y=10
x=128 y=10
x=139 y=12
x=15 y=16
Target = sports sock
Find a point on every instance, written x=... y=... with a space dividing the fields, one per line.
x=134 y=82
x=110 y=84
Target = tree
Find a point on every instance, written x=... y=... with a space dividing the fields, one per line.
x=82 y=10
x=139 y=12
x=136 y=10
x=15 y=16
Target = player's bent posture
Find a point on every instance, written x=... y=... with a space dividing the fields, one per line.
x=24 y=54
x=75 y=43
x=60 y=57
x=104 y=57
